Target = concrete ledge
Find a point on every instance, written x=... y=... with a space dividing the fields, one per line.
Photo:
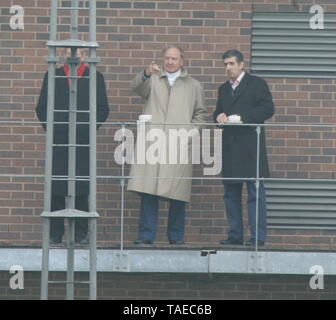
x=175 y=261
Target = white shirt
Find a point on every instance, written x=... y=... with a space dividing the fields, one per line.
x=235 y=84
x=173 y=76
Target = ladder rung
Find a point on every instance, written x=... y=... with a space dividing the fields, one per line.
x=79 y=247
x=73 y=77
x=73 y=8
x=72 y=43
x=60 y=176
x=61 y=122
x=69 y=213
x=71 y=145
x=73 y=282
x=75 y=246
x=70 y=179
x=73 y=111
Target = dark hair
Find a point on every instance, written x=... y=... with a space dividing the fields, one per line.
x=233 y=53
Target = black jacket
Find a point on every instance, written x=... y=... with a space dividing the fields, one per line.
x=61 y=134
x=251 y=100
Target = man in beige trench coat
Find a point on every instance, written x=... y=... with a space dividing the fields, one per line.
x=172 y=96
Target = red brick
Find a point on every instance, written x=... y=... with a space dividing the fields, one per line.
x=125 y=49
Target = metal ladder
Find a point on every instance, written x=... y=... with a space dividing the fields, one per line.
x=70 y=213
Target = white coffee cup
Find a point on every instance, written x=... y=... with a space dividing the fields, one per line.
x=145 y=117
x=234 y=118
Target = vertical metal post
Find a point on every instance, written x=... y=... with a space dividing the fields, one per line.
x=45 y=259
x=72 y=130
x=48 y=152
x=50 y=111
x=70 y=203
x=70 y=260
x=93 y=109
x=93 y=258
x=258 y=129
x=72 y=108
x=122 y=185
x=93 y=151
x=74 y=20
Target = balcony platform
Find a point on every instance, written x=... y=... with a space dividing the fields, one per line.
x=180 y=259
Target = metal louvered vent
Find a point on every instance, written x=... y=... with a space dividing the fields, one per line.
x=301 y=205
x=284 y=45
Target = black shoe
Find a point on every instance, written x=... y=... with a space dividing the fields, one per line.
x=143 y=241
x=178 y=242
x=252 y=243
x=82 y=241
x=230 y=241
x=55 y=240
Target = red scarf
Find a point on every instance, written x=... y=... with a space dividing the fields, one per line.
x=80 y=71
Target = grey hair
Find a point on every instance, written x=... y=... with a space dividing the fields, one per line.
x=173 y=47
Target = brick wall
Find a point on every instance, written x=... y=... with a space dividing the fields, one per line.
x=178 y=287
x=132 y=34
x=182 y=287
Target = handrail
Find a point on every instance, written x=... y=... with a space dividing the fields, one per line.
x=133 y=124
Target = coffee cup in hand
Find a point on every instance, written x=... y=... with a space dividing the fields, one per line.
x=234 y=118
x=145 y=117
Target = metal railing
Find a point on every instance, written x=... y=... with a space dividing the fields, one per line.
x=123 y=177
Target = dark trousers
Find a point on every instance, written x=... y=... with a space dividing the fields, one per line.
x=233 y=203
x=149 y=212
x=57 y=224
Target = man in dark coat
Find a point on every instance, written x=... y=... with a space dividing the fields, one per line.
x=61 y=136
x=243 y=99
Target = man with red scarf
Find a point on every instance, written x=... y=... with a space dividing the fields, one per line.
x=61 y=136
